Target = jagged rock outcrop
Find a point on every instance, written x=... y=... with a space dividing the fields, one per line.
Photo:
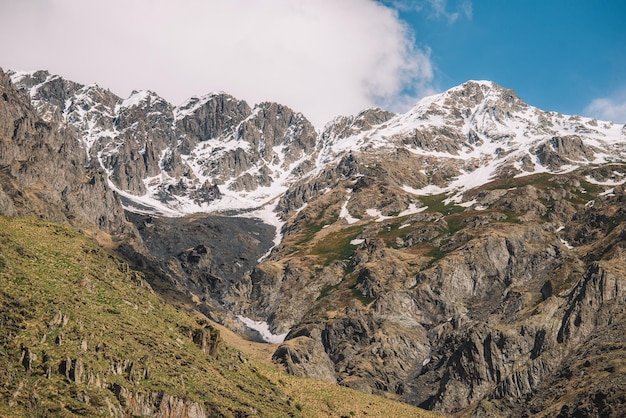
x=457 y=309
x=43 y=169
x=215 y=116
x=155 y=404
x=589 y=381
x=305 y=357
x=168 y=155
x=207 y=339
x=347 y=126
x=563 y=150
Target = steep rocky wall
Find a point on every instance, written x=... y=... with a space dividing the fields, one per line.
x=459 y=310
x=44 y=171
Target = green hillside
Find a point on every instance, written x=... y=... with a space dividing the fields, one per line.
x=84 y=335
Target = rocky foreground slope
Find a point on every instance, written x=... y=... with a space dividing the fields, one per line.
x=467 y=256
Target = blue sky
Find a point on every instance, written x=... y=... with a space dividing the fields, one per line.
x=557 y=55
x=326 y=58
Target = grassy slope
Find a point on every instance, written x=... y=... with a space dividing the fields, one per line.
x=62 y=296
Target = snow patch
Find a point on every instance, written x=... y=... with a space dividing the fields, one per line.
x=263 y=329
x=345 y=214
x=412 y=209
x=267 y=214
x=375 y=213
x=468 y=203
x=431 y=189
x=135 y=99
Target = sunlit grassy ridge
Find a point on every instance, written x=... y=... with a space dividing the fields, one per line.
x=82 y=334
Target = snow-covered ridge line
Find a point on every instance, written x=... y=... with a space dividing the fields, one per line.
x=477 y=128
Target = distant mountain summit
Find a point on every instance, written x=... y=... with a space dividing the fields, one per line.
x=212 y=153
x=215 y=153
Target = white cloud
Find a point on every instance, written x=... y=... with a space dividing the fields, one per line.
x=435 y=9
x=608 y=108
x=439 y=9
x=322 y=57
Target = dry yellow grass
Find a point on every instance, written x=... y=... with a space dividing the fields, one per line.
x=322 y=399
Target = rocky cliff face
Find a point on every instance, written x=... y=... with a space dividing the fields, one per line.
x=205 y=255
x=461 y=256
x=44 y=171
x=171 y=159
x=460 y=308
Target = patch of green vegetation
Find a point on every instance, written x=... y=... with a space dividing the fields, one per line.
x=326 y=290
x=336 y=246
x=436 y=203
x=312 y=228
x=436 y=253
x=511 y=216
x=541 y=180
x=591 y=188
x=580 y=196
x=391 y=231
x=361 y=297
x=455 y=223
x=309 y=233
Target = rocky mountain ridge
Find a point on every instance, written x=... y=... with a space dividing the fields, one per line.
x=44 y=173
x=215 y=153
x=212 y=153
x=459 y=256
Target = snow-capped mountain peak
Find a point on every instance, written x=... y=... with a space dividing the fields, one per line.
x=216 y=153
